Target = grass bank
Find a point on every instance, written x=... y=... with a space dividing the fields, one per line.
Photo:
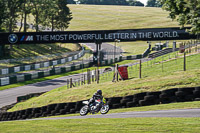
x=105 y=17
x=176 y=125
x=32 y=50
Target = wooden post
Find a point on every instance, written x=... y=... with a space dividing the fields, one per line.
x=176 y=58
x=114 y=75
x=184 y=62
x=120 y=75
x=196 y=47
x=98 y=75
x=88 y=76
x=140 y=69
x=117 y=76
x=71 y=84
x=162 y=63
x=67 y=83
x=84 y=79
x=95 y=75
x=92 y=78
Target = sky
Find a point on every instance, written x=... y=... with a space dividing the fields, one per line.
x=143 y=1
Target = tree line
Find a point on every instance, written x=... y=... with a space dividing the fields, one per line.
x=51 y=13
x=154 y=3
x=186 y=12
x=150 y=3
x=112 y=2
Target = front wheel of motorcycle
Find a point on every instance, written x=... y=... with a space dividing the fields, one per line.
x=84 y=110
x=104 y=109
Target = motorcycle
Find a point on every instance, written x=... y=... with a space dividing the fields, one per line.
x=98 y=105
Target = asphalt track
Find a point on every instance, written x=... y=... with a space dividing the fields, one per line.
x=184 y=113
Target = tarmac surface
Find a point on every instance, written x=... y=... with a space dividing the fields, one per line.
x=184 y=113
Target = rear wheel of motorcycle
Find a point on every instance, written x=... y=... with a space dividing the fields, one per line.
x=84 y=110
x=104 y=109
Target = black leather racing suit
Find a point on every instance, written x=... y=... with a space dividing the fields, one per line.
x=95 y=97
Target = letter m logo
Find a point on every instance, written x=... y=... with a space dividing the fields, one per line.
x=29 y=38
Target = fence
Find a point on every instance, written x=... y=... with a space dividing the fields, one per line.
x=148 y=67
x=171 y=62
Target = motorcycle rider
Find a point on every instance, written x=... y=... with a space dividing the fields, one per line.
x=97 y=95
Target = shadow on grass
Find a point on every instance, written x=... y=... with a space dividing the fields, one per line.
x=49 y=83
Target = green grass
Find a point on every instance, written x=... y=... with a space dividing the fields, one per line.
x=153 y=79
x=101 y=17
x=110 y=17
x=41 y=49
x=176 y=125
x=133 y=48
x=31 y=50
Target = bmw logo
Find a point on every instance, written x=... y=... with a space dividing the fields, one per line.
x=12 y=38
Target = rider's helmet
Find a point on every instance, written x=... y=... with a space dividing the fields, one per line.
x=99 y=92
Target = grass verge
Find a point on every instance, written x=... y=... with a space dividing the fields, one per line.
x=114 y=125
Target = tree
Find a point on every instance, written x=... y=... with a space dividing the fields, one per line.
x=186 y=12
x=64 y=15
x=104 y=2
x=71 y=2
x=54 y=14
x=153 y=3
x=2 y=13
x=25 y=10
x=135 y=3
x=37 y=10
x=13 y=7
x=49 y=13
